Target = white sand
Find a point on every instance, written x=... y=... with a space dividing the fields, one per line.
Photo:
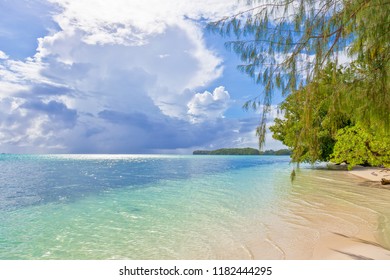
x=338 y=247
x=335 y=246
x=373 y=174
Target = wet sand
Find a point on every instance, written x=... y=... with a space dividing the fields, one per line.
x=336 y=215
x=364 y=245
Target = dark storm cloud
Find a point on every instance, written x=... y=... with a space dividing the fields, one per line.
x=56 y=111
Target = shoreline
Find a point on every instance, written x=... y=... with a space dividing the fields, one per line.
x=255 y=212
x=363 y=245
x=372 y=174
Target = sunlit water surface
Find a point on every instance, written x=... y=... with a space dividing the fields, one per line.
x=177 y=207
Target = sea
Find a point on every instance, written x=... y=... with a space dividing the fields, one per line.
x=178 y=207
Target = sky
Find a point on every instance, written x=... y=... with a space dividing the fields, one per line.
x=123 y=76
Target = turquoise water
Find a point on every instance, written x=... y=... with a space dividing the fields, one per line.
x=129 y=206
x=159 y=207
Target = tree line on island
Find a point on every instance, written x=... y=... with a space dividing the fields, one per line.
x=243 y=151
x=331 y=59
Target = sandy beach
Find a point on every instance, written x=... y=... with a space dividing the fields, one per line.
x=328 y=215
x=371 y=174
x=363 y=245
x=238 y=211
x=336 y=246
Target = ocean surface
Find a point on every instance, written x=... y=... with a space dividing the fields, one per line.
x=177 y=207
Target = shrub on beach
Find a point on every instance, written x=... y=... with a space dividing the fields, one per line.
x=357 y=146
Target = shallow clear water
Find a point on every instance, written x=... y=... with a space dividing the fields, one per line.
x=173 y=207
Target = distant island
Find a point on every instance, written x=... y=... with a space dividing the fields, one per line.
x=243 y=151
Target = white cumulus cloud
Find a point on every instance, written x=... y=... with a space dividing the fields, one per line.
x=118 y=76
x=3 y=55
x=132 y=21
x=208 y=106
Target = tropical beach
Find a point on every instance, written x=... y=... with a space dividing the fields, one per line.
x=194 y=130
x=366 y=247
x=369 y=236
x=187 y=207
x=334 y=221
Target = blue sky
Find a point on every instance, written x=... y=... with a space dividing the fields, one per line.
x=96 y=76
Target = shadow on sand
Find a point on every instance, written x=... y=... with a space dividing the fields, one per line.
x=359 y=240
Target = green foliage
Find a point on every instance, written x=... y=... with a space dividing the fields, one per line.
x=319 y=127
x=281 y=152
x=229 y=151
x=243 y=151
x=201 y=152
x=310 y=120
x=355 y=145
x=291 y=50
